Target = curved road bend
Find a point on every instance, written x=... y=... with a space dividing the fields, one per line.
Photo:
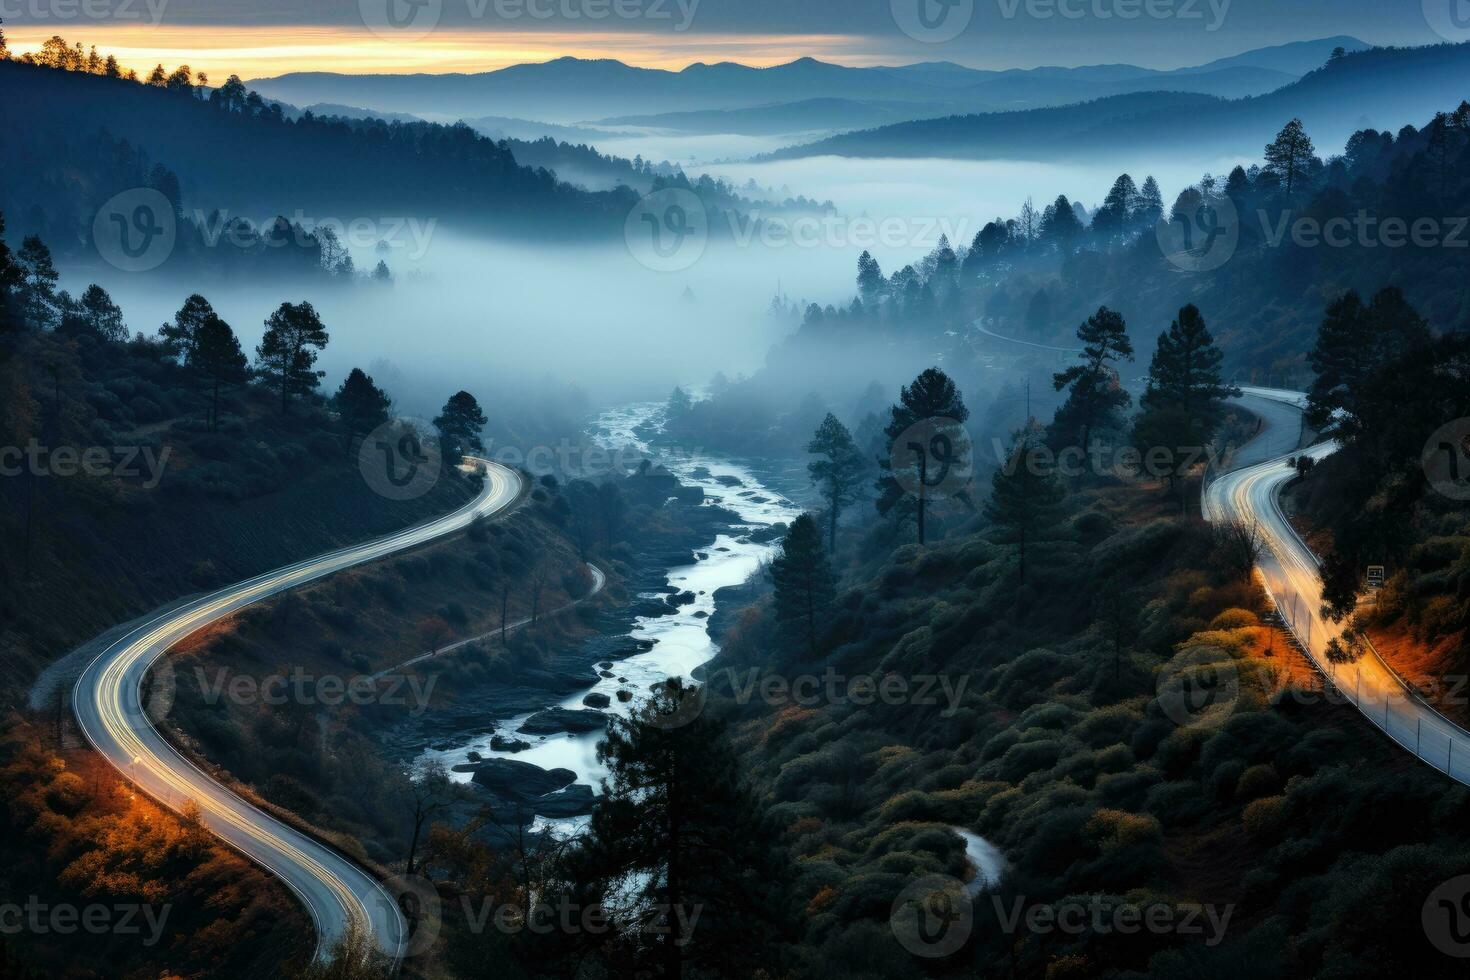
x=1251 y=493
x=109 y=705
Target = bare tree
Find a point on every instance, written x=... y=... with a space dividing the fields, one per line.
x=427 y=790
x=1239 y=546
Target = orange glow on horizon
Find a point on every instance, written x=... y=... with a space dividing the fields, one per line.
x=257 y=52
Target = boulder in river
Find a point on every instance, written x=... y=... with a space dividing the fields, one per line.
x=597 y=700
x=574 y=801
x=499 y=743
x=729 y=481
x=765 y=535
x=682 y=599
x=519 y=781
x=554 y=721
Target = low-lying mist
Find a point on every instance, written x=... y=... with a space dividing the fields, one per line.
x=497 y=317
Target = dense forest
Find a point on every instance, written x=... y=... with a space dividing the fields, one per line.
x=1262 y=252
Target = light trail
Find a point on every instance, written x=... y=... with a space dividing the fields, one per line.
x=109 y=703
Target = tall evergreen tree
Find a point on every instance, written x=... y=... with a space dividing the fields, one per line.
x=1290 y=154
x=1150 y=207
x=287 y=351
x=870 y=281
x=931 y=397
x=1095 y=397
x=1183 y=402
x=1059 y=224
x=804 y=583
x=218 y=355
x=1355 y=343
x=838 y=474
x=99 y=314
x=677 y=831
x=459 y=426
x=1025 y=498
x=362 y=405
x=182 y=336
x=39 y=304
x=1116 y=214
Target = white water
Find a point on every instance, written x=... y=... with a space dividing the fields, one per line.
x=987 y=860
x=682 y=640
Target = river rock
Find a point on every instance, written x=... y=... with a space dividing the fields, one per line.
x=519 y=781
x=574 y=801
x=597 y=700
x=682 y=599
x=729 y=481
x=765 y=535
x=554 y=721
x=500 y=743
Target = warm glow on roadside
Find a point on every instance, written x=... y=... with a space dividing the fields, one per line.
x=255 y=52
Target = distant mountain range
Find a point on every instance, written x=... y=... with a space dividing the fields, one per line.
x=815 y=95
x=1380 y=87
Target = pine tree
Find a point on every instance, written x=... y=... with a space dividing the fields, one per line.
x=804 y=583
x=38 y=284
x=1116 y=213
x=1025 y=498
x=1289 y=155
x=288 y=350
x=362 y=405
x=931 y=397
x=101 y=315
x=1354 y=344
x=1183 y=402
x=182 y=336
x=870 y=279
x=218 y=355
x=1150 y=207
x=678 y=831
x=1059 y=224
x=459 y=426
x=1095 y=397
x=838 y=474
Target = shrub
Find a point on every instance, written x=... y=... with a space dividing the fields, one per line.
x=1258 y=781
x=1234 y=619
x=1265 y=818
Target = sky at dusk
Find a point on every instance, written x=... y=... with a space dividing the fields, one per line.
x=276 y=36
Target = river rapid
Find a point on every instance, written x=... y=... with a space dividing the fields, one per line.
x=682 y=641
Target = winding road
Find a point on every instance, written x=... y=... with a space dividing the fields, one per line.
x=109 y=703
x=1251 y=493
